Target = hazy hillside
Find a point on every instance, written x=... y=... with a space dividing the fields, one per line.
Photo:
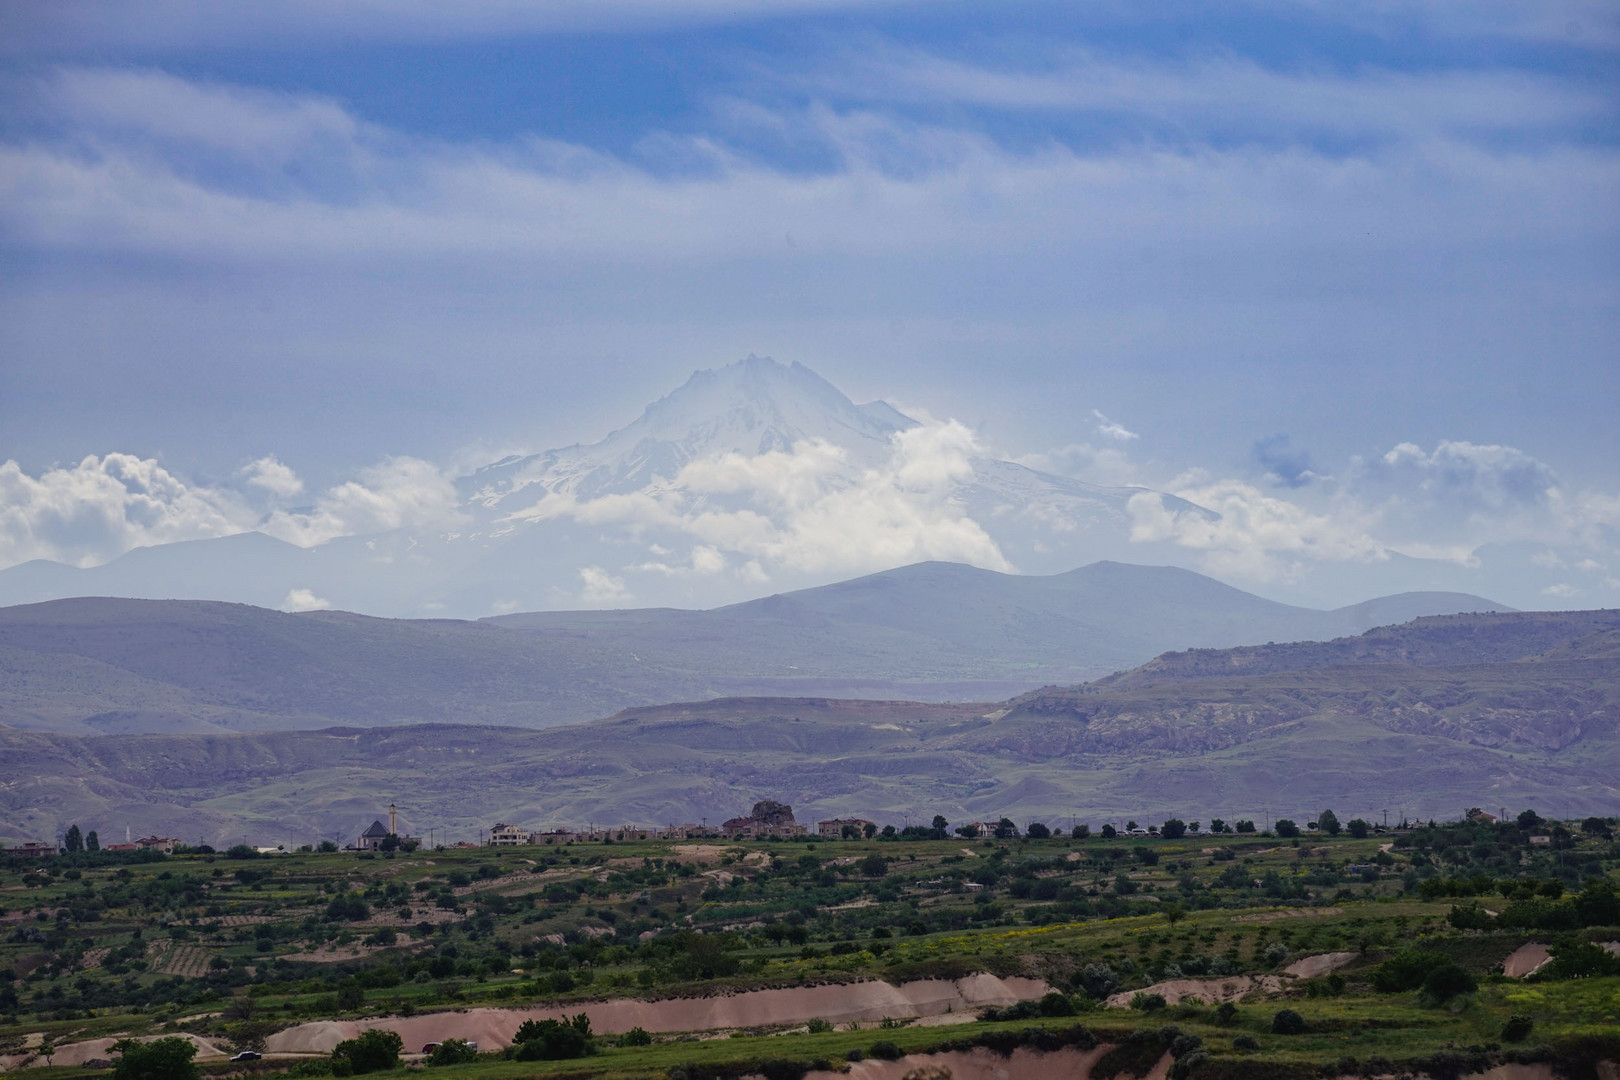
x=936 y=631
x=1530 y=719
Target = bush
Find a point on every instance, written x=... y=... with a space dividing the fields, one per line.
x=1444 y=983
x=884 y=1050
x=1407 y=970
x=1246 y=1042
x=818 y=1026
x=161 y=1059
x=1517 y=1028
x=372 y=1051
x=1056 y=1004
x=1578 y=960
x=1147 y=1002
x=551 y=1040
x=452 y=1052
x=636 y=1036
x=1287 y=1022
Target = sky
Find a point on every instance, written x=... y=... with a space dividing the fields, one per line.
x=1345 y=272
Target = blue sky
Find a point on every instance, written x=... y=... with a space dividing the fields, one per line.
x=1355 y=258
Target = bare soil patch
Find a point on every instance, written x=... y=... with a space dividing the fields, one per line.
x=839 y=1004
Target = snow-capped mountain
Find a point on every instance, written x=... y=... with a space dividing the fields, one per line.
x=753 y=478
x=753 y=407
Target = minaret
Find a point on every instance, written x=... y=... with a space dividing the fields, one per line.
x=392 y=813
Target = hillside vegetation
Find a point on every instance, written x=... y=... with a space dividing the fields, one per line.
x=1378 y=736
x=1216 y=953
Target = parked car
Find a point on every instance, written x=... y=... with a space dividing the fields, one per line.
x=428 y=1048
x=248 y=1055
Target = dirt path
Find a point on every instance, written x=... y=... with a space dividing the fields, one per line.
x=840 y=1004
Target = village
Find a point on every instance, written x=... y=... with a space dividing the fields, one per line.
x=768 y=819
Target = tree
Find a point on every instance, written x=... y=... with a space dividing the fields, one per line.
x=1244 y=826
x=1006 y=829
x=161 y=1059
x=1287 y=1022
x=967 y=832
x=869 y=829
x=940 y=824
x=1328 y=821
x=1285 y=828
x=1174 y=829
x=1529 y=820
x=1038 y=831
x=92 y=842
x=1216 y=825
x=326 y=847
x=74 y=841
x=1358 y=828
x=551 y=1040
x=1109 y=832
x=1592 y=826
x=1081 y=832
x=1129 y=825
x=373 y=1051
x=874 y=865
x=452 y=1052
x=1174 y=913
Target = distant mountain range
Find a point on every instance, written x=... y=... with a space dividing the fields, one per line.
x=1507 y=710
x=934 y=631
x=755 y=477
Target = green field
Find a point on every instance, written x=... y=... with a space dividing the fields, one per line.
x=236 y=949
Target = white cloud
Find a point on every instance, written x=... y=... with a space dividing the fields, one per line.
x=809 y=509
x=304 y=600
x=602 y=589
x=398 y=493
x=105 y=505
x=274 y=477
x=1110 y=430
x=101 y=507
x=1229 y=93
x=1562 y=590
x=1257 y=536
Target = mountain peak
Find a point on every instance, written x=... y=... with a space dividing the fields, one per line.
x=751 y=407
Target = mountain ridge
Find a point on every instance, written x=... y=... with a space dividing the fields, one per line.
x=1541 y=730
x=934 y=631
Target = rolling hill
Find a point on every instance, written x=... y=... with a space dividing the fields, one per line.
x=1505 y=709
x=934 y=631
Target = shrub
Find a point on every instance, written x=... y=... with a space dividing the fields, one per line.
x=1246 y=1042
x=636 y=1036
x=1147 y=1002
x=1287 y=1022
x=1444 y=983
x=1578 y=960
x=884 y=1050
x=1056 y=1004
x=452 y=1052
x=552 y=1040
x=1406 y=970
x=161 y=1059
x=1517 y=1028
x=372 y=1051
x=819 y=1026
